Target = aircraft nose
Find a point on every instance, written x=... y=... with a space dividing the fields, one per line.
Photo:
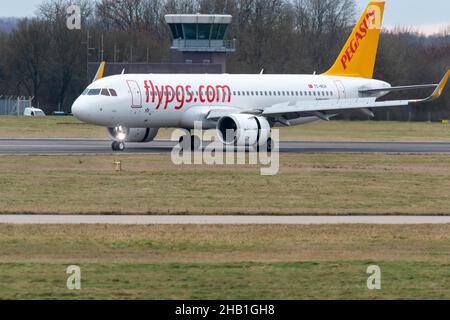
x=79 y=110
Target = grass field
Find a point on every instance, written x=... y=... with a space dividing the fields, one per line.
x=47 y=127
x=224 y=262
x=306 y=184
x=69 y=127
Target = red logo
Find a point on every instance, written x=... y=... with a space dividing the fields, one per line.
x=355 y=42
x=163 y=95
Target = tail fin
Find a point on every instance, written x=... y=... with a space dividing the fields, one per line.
x=100 y=72
x=357 y=58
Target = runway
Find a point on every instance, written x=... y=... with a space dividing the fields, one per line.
x=84 y=146
x=220 y=220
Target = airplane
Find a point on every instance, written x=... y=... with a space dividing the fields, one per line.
x=243 y=108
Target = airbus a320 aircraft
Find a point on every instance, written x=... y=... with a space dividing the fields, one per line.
x=134 y=106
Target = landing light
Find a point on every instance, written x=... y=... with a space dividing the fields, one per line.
x=121 y=136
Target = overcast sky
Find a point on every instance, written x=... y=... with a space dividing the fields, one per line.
x=428 y=15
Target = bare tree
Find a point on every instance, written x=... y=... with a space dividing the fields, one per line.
x=42 y=57
x=29 y=54
x=67 y=51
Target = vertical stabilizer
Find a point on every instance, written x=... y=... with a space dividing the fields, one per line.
x=357 y=58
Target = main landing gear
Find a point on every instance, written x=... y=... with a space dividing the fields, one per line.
x=269 y=145
x=189 y=142
x=118 y=146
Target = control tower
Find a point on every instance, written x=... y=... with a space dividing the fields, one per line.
x=200 y=38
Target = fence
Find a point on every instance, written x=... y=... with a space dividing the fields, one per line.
x=13 y=106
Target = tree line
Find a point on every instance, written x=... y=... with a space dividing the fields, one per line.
x=40 y=57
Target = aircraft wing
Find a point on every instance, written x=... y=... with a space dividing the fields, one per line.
x=402 y=88
x=216 y=113
x=319 y=106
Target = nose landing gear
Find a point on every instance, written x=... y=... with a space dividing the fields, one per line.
x=118 y=146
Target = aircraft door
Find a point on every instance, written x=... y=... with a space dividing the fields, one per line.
x=341 y=89
x=136 y=95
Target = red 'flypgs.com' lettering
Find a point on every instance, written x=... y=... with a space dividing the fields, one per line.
x=163 y=95
x=359 y=36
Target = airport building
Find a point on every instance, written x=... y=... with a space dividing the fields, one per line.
x=198 y=45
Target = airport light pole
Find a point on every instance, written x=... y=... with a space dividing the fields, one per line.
x=88 y=53
x=116 y=51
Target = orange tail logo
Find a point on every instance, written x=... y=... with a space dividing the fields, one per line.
x=357 y=58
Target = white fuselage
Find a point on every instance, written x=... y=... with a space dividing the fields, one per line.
x=179 y=100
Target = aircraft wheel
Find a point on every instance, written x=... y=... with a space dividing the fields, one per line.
x=118 y=146
x=269 y=145
x=188 y=142
x=195 y=143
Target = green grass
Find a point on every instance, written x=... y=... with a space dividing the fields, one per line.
x=47 y=127
x=302 y=280
x=368 y=131
x=224 y=262
x=306 y=184
x=70 y=127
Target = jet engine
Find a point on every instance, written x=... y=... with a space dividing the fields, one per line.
x=243 y=130
x=132 y=134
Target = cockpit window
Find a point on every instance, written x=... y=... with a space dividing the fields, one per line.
x=113 y=92
x=94 y=92
x=105 y=92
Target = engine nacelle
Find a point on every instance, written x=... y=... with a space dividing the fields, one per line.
x=133 y=134
x=243 y=130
